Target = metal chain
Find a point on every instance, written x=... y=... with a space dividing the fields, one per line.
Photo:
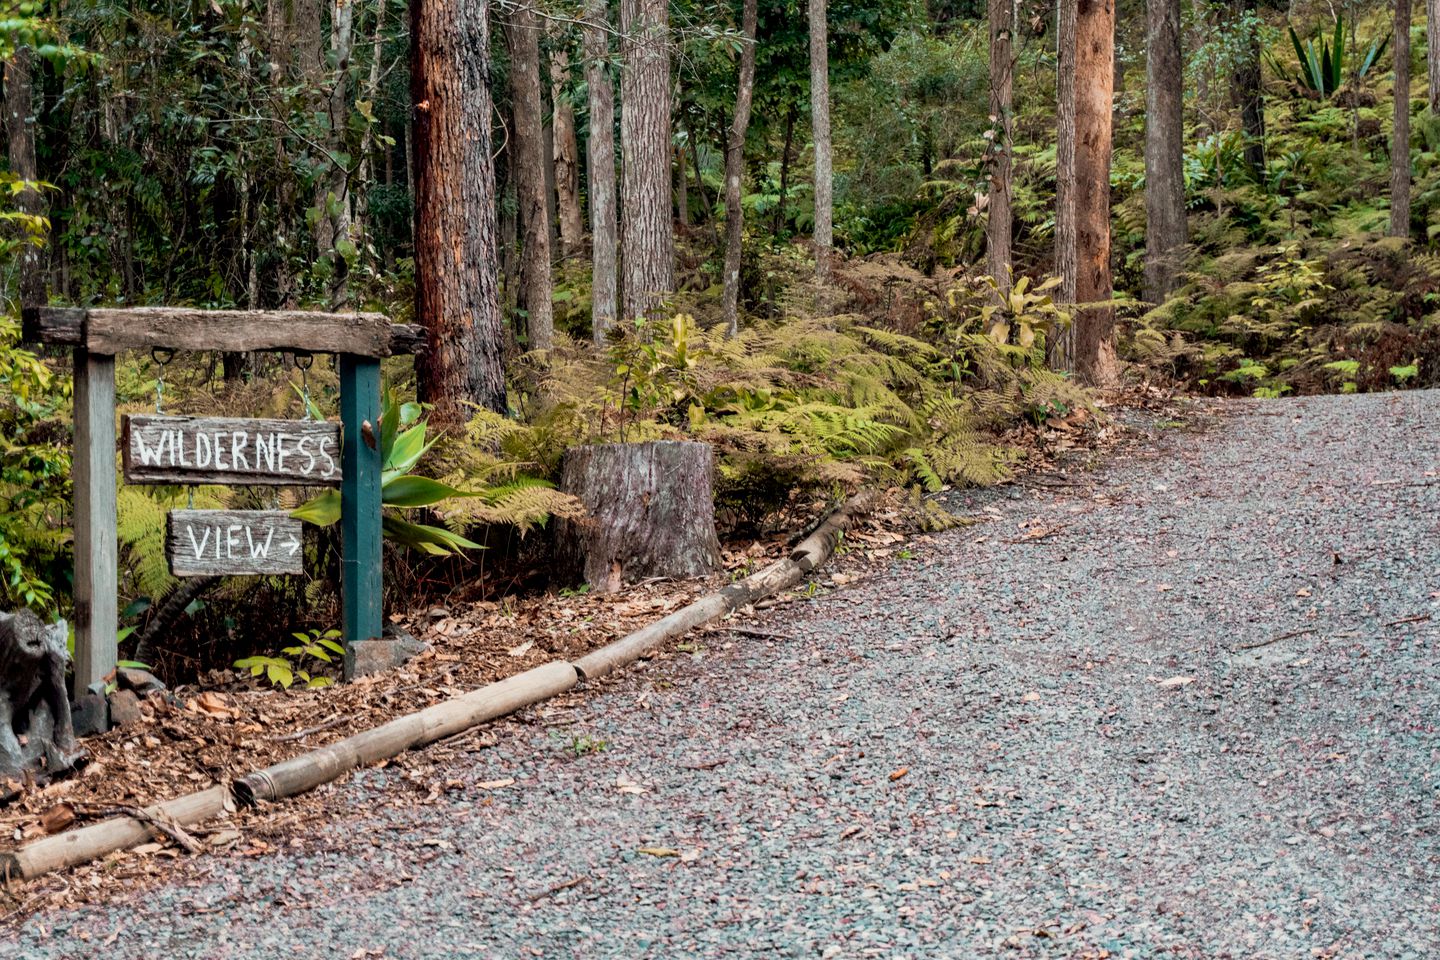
x=304 y=368
x=161 y=358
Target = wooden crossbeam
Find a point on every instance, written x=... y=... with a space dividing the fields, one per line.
x=108 y=331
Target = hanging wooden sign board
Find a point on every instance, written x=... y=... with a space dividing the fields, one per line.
x=235 y=452
x=226 y=543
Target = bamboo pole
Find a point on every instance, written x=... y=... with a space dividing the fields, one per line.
x=95 y=841
x=780 y=575
x=309 y=770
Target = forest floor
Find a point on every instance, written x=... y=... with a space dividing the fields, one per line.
x=1184 y=703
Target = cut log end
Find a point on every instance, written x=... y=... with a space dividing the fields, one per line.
x=650 y=513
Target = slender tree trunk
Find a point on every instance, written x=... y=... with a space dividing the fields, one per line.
x=1164 y=149
x=997 y=229
x=567 y=154
x=820 y=133
x=682 y=185
x=333 y=224
x=1432 y=60
x=600 y=158
x=457 y=299
x=735 y=168
x=365 y=177
x=1062 y=349
x=1400 y=143
x=1249 y=92
x=522 y=36
x=779 y=220
x=1095 y=359
x=648 y=238
x=20 y=124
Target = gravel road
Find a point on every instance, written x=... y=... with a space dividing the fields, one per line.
x=1184 y=706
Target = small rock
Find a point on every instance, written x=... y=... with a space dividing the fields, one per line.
x=125 y=708
x=90 y=715
x=143 y=682
x=374 y=656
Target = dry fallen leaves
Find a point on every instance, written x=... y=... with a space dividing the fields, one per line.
x=212 y=704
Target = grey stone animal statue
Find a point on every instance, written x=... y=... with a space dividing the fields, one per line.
x=36 y=737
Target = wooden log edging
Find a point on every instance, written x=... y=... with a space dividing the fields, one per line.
x=309 y=770
x=780 y=575
x=436 y=722
x=119 y=833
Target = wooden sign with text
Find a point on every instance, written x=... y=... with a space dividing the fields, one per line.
x=236 y=452
x=225 y=543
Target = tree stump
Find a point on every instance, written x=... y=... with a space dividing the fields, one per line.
x=35 y=732
x=651 y=513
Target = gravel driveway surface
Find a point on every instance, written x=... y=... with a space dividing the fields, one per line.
x=1185 y=706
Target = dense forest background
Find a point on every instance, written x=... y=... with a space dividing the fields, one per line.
x=839 y=240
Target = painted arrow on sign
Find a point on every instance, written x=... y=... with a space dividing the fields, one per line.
x=226 y=543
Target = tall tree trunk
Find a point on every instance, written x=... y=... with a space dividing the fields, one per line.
x=1249 y=92
x=365 y=177
x=735 y=168
x=20 y=124
x=1062 y=350
x=648 y=237
x=997 y=229
x=1400 y=142
x=457 y=299
x=522 y=37
x=820 y=133
x=1164 y=149
x=682 y=185
x=567 y=153
x=1432 y=59
x=779 y=219
x=342 y=21
x=1095 y=359
x=600 y=160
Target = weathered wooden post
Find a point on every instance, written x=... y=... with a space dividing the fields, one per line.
x=184 y=450
x=360 y=524
x=93 y=465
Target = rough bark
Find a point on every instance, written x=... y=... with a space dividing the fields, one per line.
x=648 y=238
x=1164 y=150
x=650 y=513
x=735 y=168
x=997 y=228
x=1062 y=349
x=570 y=223
x=820 y=134
x=522 y=38
x=35 y=733
x=1250 y=92
x=457 y=296
x=20 y=124
x=1095 y=359
x=1432 y=59
x=1400 y=142
x=600 y=160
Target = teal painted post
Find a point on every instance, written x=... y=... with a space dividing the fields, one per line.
x=360 y=536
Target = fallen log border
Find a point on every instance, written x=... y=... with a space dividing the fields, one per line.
x=780 y=575
x=315 y=767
